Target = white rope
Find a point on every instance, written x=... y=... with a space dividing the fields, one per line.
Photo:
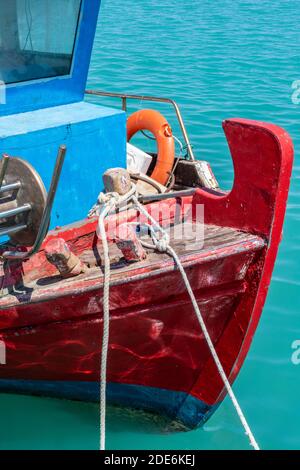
x=214 y=353
x=105 y=204
x=110 y=201
x=163 y=246
x=105 y=334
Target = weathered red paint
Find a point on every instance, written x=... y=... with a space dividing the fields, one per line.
x=262 y=157
x=58 y=253
x=128 y=242
x=52 y=327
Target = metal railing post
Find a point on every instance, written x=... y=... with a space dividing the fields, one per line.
x=124 y=97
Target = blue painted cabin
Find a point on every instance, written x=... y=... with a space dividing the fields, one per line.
x=45 y=51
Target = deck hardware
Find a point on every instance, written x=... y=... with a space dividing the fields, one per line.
x=128 y=242
x=61 y=256
x=22 y=200
x=12 y=229
x=44 y=219
x=162 y=196
x=10 y=187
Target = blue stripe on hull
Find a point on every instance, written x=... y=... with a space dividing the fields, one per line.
x=178 y=406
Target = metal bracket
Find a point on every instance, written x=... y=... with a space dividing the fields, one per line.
x=39 y=210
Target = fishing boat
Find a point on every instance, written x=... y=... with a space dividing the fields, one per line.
x=52 y=281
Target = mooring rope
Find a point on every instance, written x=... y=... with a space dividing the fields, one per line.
x=105 y=335
x=162 y=245
x=105 y=204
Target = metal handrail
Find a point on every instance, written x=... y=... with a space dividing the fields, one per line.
x=125 y=96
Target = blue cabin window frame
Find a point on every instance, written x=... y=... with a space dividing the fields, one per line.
x=41 y=93
x=71 y=54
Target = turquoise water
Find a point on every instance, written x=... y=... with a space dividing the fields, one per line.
x=218 y=60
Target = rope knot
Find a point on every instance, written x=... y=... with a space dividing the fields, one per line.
x=108 y=198
x=161 y=244
x=104 y=199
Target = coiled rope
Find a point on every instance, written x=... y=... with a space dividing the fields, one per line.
x=162 y=244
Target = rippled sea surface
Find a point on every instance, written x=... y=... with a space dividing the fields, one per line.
x=217 y=60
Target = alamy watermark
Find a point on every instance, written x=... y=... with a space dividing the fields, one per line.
x=183 y=222
x=295 y=358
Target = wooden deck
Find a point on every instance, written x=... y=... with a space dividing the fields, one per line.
x=194 y=243
x=189 y=240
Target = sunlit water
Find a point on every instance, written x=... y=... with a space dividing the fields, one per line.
x=218 y=60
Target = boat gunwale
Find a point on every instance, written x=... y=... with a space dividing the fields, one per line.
x=86 y=283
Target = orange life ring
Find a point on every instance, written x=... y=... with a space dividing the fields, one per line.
x=153 y=121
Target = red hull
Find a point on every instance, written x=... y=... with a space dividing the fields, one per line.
x=52 y=327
